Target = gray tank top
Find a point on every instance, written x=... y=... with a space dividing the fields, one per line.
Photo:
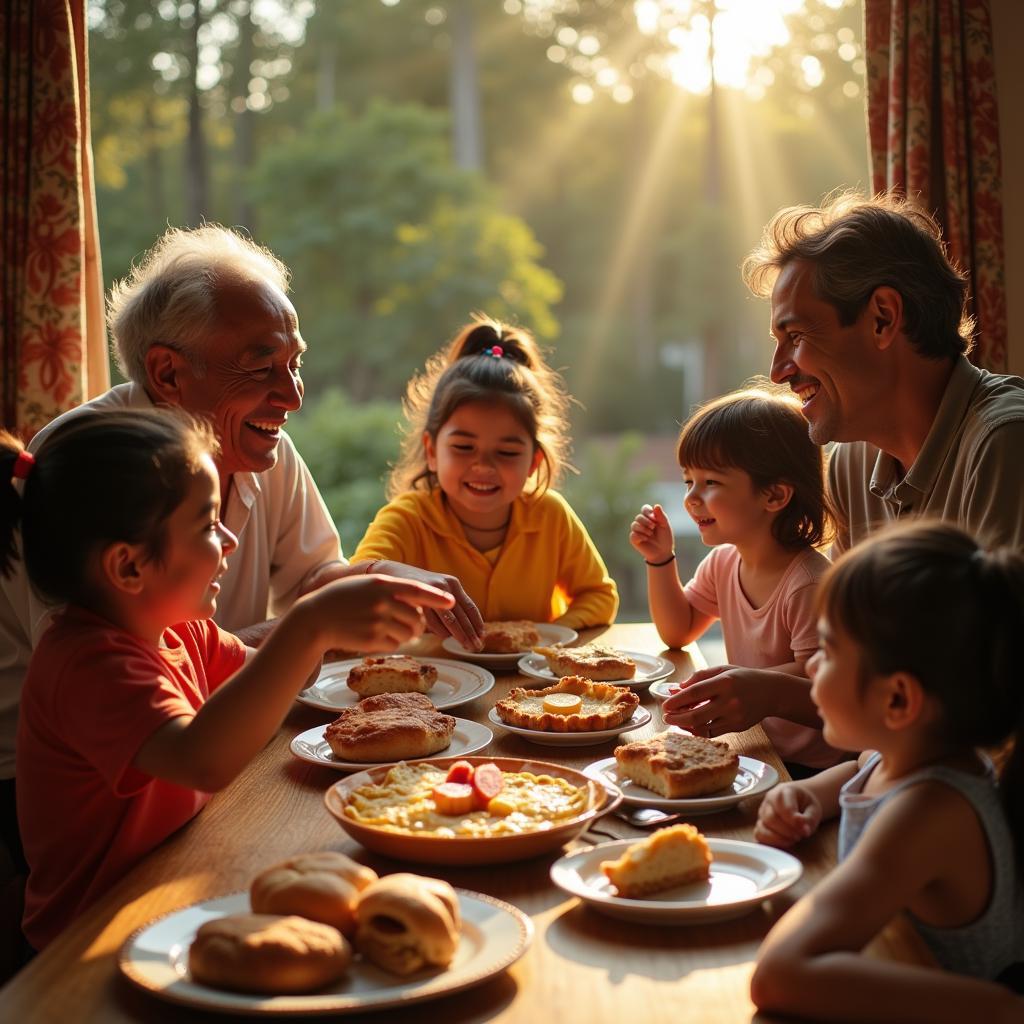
x=995 y=940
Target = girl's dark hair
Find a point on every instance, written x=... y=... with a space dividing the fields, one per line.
x=99 y=478
x=761 y=431
x=928 y=599
x=465 y=371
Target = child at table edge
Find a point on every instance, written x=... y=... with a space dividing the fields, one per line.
x=136 y=705
x=756 y=490
x=919 y=666
x=485 y=440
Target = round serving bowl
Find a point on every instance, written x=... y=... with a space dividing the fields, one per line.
x=434 y=849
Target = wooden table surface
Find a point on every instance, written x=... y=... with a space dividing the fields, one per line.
x=581 y=965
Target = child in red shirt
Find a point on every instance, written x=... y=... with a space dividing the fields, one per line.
x=136 y=706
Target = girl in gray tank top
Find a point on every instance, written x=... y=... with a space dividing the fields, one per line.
x=920 y=664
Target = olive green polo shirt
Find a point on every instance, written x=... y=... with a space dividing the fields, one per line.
x=970 y=469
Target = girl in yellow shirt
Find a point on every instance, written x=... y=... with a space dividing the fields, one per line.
x=486 y=438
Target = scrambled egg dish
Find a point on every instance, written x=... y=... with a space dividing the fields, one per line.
x=402 y=802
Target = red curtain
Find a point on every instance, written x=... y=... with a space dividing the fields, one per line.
x=52 y=336
x=934 y=132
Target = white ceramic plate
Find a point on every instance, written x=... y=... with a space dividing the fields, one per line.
x=743 y=875
x=661 y=690
x=572 y=739
x=649 y=668
x=752 y=778
x=456 y=684
x=494 y=935
x=468 y=738
x=549 y=633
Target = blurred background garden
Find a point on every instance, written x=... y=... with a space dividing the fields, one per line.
x=594 y=170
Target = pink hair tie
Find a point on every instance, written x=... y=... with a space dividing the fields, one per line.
x=495 y=350
x=23 y=465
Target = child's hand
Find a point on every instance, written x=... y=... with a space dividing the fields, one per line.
x=374 y=613
x=788 y=813
x=651 y=534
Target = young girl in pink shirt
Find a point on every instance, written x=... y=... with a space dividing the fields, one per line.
x=136 y=706
x=755 y=488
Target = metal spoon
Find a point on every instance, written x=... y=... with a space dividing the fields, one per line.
x=646 y=817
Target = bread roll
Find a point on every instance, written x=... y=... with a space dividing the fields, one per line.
x=321 y=886
x=407 y=922
x=268 y=954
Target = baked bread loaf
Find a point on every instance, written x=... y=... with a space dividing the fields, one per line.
x=389 y=727
x=267 y=953
x=670 y=857
x=676 y=764
x=599 y=706
x=392 y=674
x=509 y=637
x=323 y=887
x=594 y=661
x=408 y=922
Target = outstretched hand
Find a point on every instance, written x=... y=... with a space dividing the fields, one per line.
x=787 y=814
x=462 y=621
x=376 y=613
x=724 y=698
x=651 y=534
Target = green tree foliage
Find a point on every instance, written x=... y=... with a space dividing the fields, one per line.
x=390 y=245
x=348 y=448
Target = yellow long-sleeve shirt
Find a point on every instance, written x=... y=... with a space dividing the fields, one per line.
x=547 y=570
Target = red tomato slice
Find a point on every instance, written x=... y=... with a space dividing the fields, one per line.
x=461 y=771
x=487 y=783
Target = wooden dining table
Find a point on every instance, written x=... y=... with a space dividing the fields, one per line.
x=581 y=965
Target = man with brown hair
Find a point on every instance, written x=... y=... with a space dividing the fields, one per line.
x=871 y=332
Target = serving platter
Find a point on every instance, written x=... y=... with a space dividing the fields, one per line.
x=433 y=848
x=754 y=777
x=640 y=718
x=310 y=746
x=649 y=669
x=457 y=683
x=743 y=875
x=493 y=936
x=550 y=633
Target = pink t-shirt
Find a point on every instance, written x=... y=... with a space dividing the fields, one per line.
x=93 y=695
x=782 y=630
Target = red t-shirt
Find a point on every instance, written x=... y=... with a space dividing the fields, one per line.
x=92 y=696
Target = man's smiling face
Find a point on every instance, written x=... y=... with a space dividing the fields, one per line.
x=829 y=367
x=250 y=378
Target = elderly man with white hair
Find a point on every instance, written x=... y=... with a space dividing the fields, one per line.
x=204 y=322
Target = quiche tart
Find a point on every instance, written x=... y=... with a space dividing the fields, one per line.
x=573 y=704
x=594 y=661
x=509 y=637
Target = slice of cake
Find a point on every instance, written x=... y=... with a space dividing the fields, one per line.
x=675 y=764
x=509 y=637
x=672 y=856
x=594 y=661
x=392 y=674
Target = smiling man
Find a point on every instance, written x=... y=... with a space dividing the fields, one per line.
x=203 y=322
x=871 y=333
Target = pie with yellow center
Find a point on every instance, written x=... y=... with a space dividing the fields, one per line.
x=573 y=704
x=593 y=661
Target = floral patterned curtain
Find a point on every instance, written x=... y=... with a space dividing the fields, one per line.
x=934 y=131
x=52 y=336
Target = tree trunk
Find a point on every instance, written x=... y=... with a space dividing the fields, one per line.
x=196 y=188
x=154 y=166
x=245 y=143
x=464 y=88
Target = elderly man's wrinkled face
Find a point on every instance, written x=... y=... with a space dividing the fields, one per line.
x=829 y=367
x=251 y=380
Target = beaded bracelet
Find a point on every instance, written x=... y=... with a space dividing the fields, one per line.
x=655 y=565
